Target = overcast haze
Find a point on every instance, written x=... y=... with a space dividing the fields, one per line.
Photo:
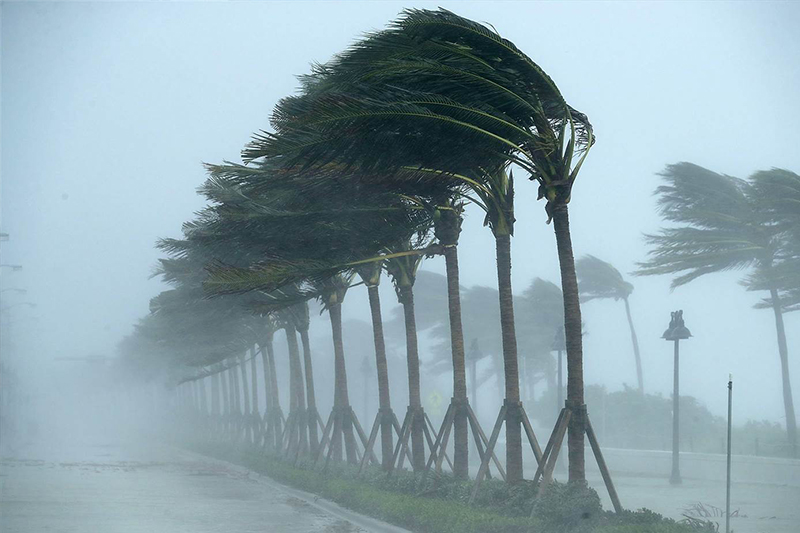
x=109 y=109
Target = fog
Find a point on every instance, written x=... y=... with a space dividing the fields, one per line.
x=109 y=110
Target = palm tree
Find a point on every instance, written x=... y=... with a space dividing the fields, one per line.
x=459 y=104
x=725 y=223
x=403 y=271
x=370 y=274
x=597 y=280
x=299 y=225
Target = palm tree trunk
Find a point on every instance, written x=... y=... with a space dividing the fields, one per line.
x=226 y=398
x=572 y=332
x=460 y=430
x=510 y=362
x=296 y=385
x=246 y=398
x=384 y=399
x=267 y=384
x=635 y=342
x=414 y=394
x=311 y=396
x=215 y=395
x=272 y=389
x=341 y=400
x=788 y=402
x=237 y=398
x=203 y=401
x=254 y=380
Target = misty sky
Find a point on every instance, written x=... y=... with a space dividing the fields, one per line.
x=109 y=109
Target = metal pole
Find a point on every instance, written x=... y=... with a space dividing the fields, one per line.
x=675 y=478
x=728 y=487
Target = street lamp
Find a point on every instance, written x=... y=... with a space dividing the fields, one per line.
x=14 y=268
x=676 y=332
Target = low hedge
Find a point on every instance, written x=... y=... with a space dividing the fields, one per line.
x=437 y=503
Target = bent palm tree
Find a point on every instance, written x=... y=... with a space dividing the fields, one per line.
x=457 y=103
x=725 y=223
x=597 y=280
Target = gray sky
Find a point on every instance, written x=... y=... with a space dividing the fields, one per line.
x=108 y=110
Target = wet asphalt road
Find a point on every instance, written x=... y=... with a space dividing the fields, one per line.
x=107 y=488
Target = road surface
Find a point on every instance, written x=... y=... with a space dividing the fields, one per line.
x=108 y=488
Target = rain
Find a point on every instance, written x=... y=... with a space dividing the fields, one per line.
x=379 y=266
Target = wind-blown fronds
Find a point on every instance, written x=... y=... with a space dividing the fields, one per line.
x=720 y=226
x=434 y=91
x=598 y=279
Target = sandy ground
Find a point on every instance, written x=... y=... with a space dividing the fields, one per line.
x=105 y=488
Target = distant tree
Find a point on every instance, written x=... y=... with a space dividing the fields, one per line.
x=726 y=223
x=599 y=280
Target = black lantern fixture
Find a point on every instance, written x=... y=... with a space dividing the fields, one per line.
x=676 y=332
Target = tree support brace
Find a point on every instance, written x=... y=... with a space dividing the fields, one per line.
x=548 y=463
x=513 y=413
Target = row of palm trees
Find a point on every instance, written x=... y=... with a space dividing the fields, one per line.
x=367 y=171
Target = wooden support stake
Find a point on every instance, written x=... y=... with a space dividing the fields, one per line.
x=427 y=428
x=526 y=424
x=475 y=424
x=363 y=437
x=601 y=463
x=371 y=441
x=501 y=417
x=398 y=430
x=402 y=443
x=549 y=446
x=325 y=436
x=435 y=448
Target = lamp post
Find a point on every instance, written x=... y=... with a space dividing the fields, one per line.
x=676 y=331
